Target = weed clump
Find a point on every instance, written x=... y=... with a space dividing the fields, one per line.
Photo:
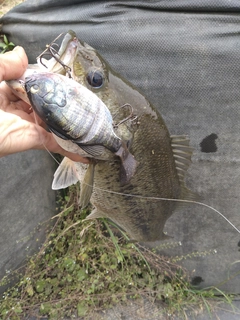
x=83 y=267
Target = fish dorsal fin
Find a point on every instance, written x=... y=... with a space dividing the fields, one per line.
x=182 y=154
x=65 y=175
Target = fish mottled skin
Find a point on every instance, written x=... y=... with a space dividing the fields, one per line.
x=162 y=160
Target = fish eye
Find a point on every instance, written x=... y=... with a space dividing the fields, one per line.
x=95 y=78
x=34 y=89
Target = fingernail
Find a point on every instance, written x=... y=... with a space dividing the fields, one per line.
x=18 y=49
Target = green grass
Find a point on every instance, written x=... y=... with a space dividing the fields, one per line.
x=83 y=268
x=5 y=45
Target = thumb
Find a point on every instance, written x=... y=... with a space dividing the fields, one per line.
x=13 y=64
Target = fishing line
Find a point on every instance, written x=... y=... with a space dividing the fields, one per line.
x=49 y=48
x=167 y=199
x=145 y=197
x=149 y=198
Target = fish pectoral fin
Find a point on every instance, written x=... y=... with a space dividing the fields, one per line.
x=128 y=164
x=65 y=175
x=95 y=214
x=87 y=185
x=95 y=151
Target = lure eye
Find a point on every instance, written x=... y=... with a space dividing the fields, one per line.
x=95 y=78
x=34 y=89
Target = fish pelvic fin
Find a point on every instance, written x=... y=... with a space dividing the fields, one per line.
x=182 y=154
x=128 y=164
x=87 y=185
x=65 y=175
x=93 y=150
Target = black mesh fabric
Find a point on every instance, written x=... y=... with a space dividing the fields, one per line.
x=185 y=57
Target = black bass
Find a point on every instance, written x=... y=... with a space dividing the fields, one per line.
x=162 y=159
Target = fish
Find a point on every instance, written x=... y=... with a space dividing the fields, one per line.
x=73 y=112
x=162 y=159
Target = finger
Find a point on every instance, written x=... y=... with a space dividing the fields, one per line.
x=8 y=92
x=8 y=105
x=28 y=117
x=20 y=108
x=50 y=143
x=13 y=64
x=17 y=135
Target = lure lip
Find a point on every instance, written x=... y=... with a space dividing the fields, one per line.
x=68 y=49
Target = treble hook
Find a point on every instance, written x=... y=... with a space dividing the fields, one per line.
x=47 y=49
x=128 y=117
x=50 y=50
x=65 y=67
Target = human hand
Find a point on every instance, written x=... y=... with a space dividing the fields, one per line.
x=18 y=128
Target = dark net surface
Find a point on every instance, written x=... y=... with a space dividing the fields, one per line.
x=185 y=57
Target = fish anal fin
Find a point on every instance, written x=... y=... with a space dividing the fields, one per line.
x=95 y=214
x=65 y=175
x=128 y=164
x=87 y=185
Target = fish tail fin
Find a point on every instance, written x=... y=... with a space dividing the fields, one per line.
x=65 y=175
x=128 y=164
x=87 y=185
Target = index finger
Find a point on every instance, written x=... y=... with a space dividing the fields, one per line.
x=13 y=64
